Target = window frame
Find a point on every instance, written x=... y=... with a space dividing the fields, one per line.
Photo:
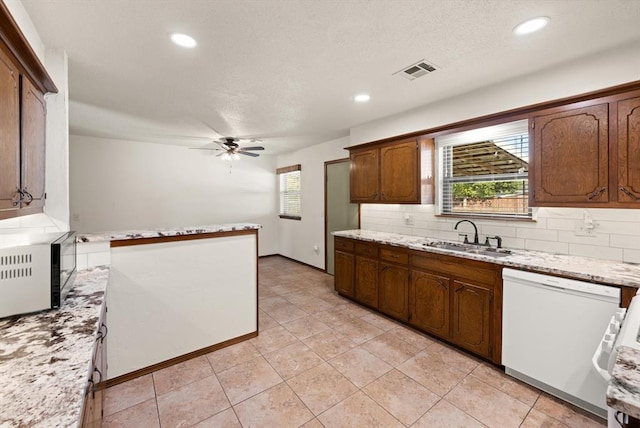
x=477 y=135
x=283 y=171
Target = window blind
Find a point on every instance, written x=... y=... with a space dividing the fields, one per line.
x=484 y=172
x=290 y=181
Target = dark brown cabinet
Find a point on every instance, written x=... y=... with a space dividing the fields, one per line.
x=33 y=145
x=9 y=134
x=389 y=173
x=587 y=154
x=429 y=297
x=23 y=81
x=472 y=314
x=393 y=298
x=572 y=156
x=628 y=188
x=364 y=172
x=455 y=299
x=366 y=281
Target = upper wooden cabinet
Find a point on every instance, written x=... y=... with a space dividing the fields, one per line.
x=571 y=156
x=587 y=154
x=628 y=188
x=9 y=135
x=23 y=81
x=388 y=173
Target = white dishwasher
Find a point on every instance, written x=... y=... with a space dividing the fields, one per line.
x=550 y=329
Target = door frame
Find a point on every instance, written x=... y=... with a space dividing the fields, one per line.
x=327 y=163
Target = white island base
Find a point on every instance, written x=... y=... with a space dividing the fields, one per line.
x=179 y=296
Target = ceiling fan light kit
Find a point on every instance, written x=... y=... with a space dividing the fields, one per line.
x=231 y=149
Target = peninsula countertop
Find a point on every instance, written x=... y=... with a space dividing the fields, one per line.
x=160 y=233
x=576 y=267
x=45 y=357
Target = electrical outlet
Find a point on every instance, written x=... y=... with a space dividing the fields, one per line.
x=586 y=226
x=408 y=219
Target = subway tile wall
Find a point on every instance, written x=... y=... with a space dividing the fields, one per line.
x=616 y=232
x=91 y=254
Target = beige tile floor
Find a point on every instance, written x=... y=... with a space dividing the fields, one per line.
x=321 y=360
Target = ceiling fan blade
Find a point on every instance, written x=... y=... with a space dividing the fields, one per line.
x=253 y=148
x=254 y=155
x=221 y=154
x=203 y=148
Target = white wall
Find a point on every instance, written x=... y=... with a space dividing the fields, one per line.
x=121 y=185
x=297 y=238
x=56 y=217
x=617 y=232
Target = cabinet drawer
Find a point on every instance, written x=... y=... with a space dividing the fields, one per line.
x=367 y=249
x=394 y=256
x=470 y=270
x=342 y=244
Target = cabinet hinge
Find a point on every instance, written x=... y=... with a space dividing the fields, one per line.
x=533 y=125
x=45 y=196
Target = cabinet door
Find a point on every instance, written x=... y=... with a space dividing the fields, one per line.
x=393 y=295
x=429 y=300
x=629 y=150
x=33 y=145
x=471 y=317
x=364 y=176
x=366 y=281
x=400 y=173
x=9 y=134
x=571 y=156
x=343 y=278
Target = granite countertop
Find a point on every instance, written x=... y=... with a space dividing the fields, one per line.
x=580 y=268
x=623 y=392
x=158 y=233
x=45 y=358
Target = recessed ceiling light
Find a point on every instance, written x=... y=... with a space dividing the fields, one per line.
x=183 y=40
x=361 y=98
x=531 y=25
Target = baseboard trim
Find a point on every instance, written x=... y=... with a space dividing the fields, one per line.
x=294 y=260
x=164 y=364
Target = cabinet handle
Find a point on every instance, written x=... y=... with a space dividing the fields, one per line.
x=596 y=193
x=629 y=193
x=24 y=192
x=375 y=195
x=382 y=196
x=459 y=289
x=17 y=198
x=395 y=256
x=106 y=331
x=441 y=284
x=95 y=369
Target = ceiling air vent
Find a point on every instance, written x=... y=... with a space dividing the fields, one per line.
x=416 y=70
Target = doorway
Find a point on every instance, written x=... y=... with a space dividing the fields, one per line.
x=340 y=213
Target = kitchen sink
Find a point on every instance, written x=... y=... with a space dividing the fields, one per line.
x=469 y=248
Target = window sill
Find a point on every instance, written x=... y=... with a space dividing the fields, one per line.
x=486 y=217
x=290 y=217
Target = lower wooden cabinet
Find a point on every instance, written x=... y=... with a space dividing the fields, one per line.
x=94 y=398
x=344 y=266
x=429 y=297
x=393 y=293
x=472 y=313
x=455 y=299
x=366 y=281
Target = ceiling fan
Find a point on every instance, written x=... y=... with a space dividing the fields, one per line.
x=231 y=149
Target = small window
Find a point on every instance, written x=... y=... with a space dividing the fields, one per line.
x=290 y=192
x=485 y=172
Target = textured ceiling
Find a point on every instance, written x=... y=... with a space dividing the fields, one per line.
x=285 y=71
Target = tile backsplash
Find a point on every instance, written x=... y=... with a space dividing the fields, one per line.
x=615 y=234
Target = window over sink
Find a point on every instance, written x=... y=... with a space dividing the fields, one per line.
x=484 y=172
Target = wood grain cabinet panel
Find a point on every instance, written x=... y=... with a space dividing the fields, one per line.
x=629 y=150
x=9 y=134
x=33 y=145
x=364 y=172
x=472 y=317
x=400 y=172
x=366 y=281
x=344 y=269
x=429 y=300
x=393 y=298
x=572 y=156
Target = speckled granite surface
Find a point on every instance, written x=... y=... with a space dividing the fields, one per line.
x=45 y=357
x=157 y=233
x=581 y=268
x=623 y=392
